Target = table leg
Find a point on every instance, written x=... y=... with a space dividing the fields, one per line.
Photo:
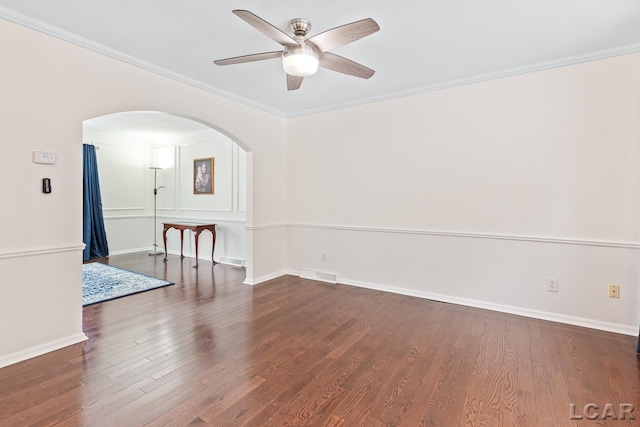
x=213 y=244
x=164 y=237
x=197 y=234
x=181 y=242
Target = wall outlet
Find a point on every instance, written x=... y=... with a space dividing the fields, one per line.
x=323 y=256
x=614 y=291
x=552 y=284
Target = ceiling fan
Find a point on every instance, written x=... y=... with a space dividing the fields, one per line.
x=302 y=56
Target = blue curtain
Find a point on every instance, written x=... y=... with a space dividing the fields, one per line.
x=93 y=233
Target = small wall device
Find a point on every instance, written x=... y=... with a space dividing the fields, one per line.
x=44 y=157
x=46 y=185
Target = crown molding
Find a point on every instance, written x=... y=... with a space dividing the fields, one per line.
x=43 y=27
x=509 y=72
x=51 y=30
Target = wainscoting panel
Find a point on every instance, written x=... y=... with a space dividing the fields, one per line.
x=44 y=288
x=504 y=273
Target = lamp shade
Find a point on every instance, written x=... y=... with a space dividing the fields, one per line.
x=164 y=157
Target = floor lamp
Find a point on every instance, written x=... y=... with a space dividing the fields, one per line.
x=155 y=250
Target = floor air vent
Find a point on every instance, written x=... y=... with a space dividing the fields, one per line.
x=322 y=276
x=232 y=261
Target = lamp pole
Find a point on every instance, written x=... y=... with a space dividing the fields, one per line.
x=155 y=250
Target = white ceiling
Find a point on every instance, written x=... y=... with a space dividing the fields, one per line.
x=422 y=45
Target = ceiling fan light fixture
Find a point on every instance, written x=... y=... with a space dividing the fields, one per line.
x=302 y=56
x=300 y=61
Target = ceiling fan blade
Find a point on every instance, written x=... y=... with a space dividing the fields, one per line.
x=343 y=65
x=249 y=58
x=345 y=34
x=294 y=82
x=265 y=28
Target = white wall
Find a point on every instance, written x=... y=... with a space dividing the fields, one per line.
x=49 y=87
x=127 y=182
x=474 y=194
x=477 y=194
x=124 y=180
x=226 y=207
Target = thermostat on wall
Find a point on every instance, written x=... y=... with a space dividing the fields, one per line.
x=44 y=157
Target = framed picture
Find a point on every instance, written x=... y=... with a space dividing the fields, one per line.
x=203 y=176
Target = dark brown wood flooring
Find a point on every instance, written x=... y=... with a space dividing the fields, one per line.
x=212 y=351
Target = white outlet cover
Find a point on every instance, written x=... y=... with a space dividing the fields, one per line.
x=552 y=284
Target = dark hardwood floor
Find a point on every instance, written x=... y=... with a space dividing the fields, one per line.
x=212 y=351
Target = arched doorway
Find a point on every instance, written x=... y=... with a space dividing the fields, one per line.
x=131 y=143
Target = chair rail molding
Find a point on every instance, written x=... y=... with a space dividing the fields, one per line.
x=266 y=226
x=475 y=235
x=41 y=251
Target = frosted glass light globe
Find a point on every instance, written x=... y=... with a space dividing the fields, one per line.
x=300 y=61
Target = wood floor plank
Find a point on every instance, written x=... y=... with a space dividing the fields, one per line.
x=211 y=351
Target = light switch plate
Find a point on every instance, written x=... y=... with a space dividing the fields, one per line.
x=44 y=157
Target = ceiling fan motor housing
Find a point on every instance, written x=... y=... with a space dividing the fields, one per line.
x=300 y=26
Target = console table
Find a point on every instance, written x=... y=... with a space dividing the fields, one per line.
x=196 y=228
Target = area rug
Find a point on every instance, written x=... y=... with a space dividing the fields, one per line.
x=101 y=282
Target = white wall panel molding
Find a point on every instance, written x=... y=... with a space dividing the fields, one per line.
x=37 y=350
x=266 y=226
x=221 y=149
x=41 y=251
x=202 y=210
x=201 y=219
x=234 y=177
x=112 y=217
x=123 y=176
x=474 y=235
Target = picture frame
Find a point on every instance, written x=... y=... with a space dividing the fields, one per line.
x=203 y=173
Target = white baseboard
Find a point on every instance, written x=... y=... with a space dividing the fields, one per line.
x=40 y=349
x=172 y=252
x=130 y=251
x=266 y=277
x=519 y=311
